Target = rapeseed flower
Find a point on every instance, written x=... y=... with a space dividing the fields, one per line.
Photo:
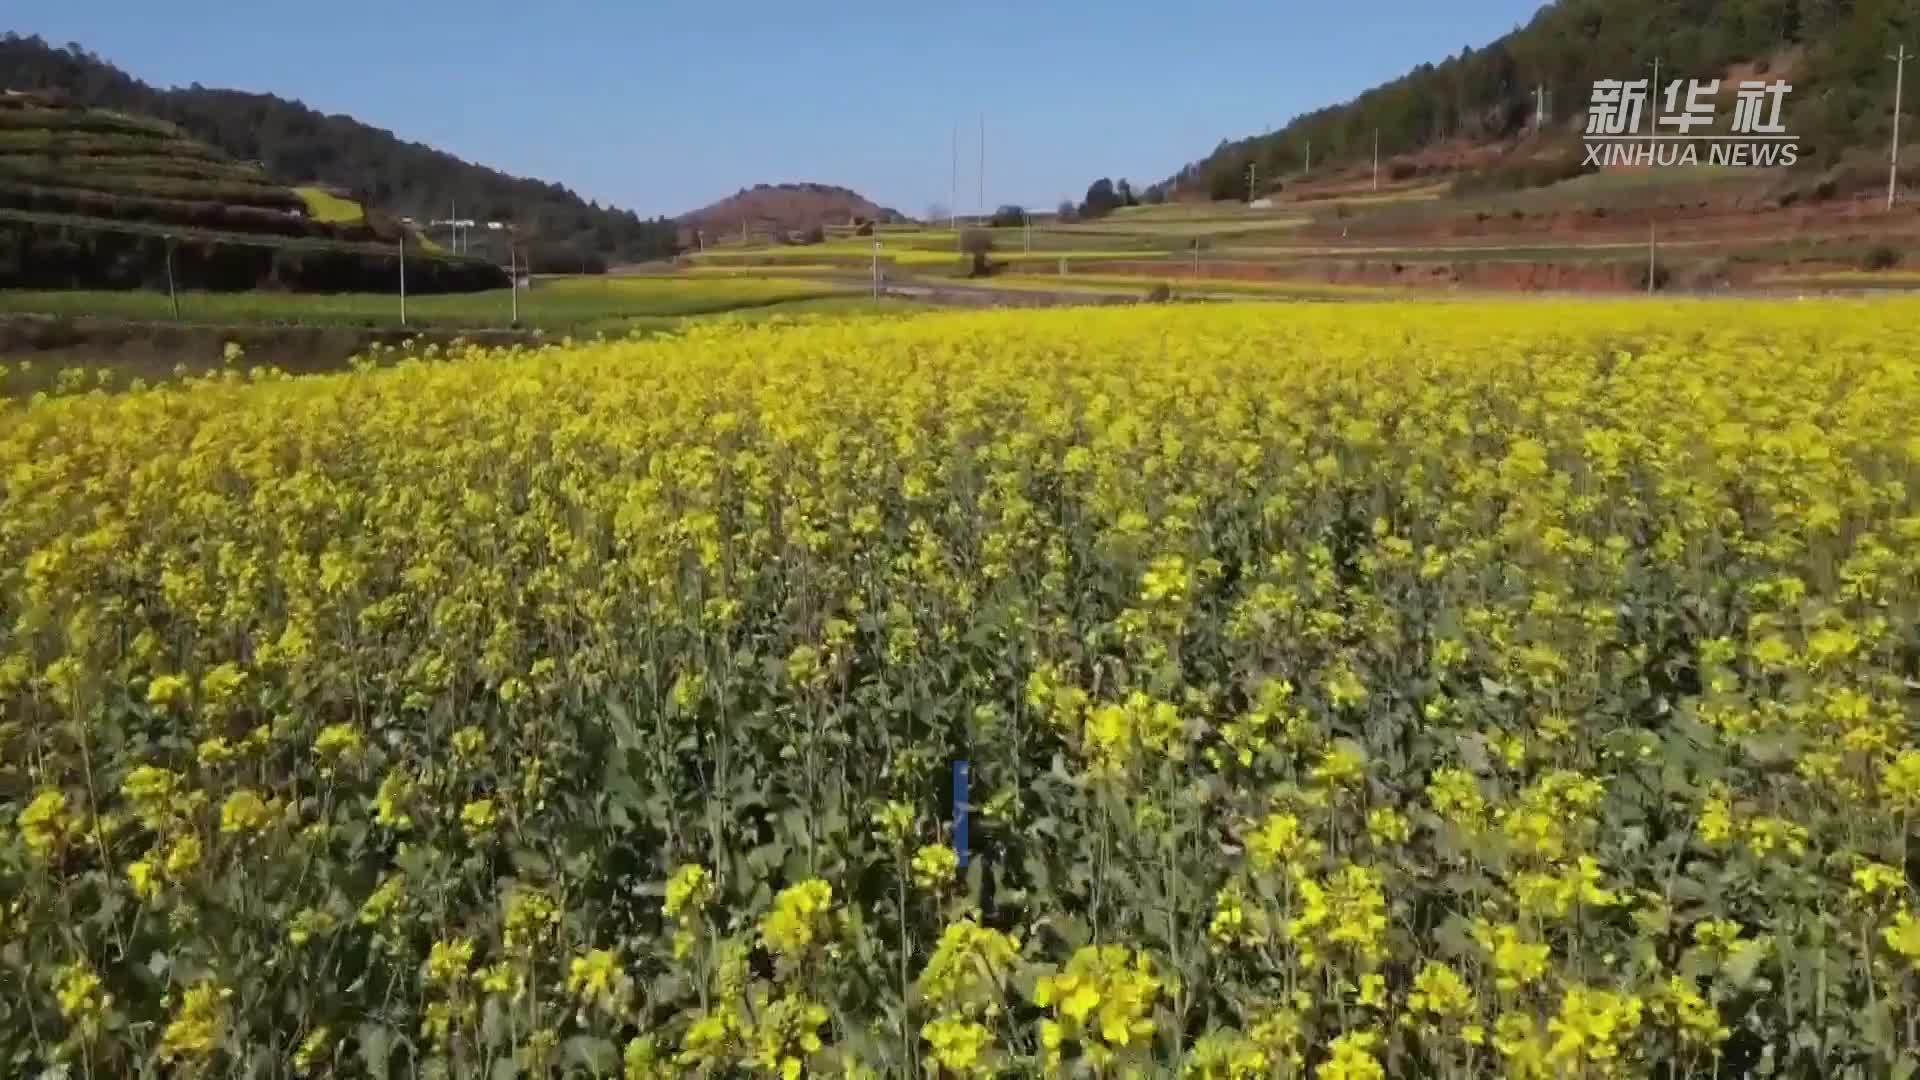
x=800 y=919
x=198 y=1024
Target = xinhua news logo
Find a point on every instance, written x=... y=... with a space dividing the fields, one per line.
x=1756 y=136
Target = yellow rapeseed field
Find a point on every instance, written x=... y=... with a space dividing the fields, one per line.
x=1521 y=689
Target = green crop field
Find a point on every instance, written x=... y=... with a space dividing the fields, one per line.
x=1182 y=229
x=559 y=303
x=1846 y=279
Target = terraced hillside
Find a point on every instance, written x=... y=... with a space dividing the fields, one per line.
x=94 y=198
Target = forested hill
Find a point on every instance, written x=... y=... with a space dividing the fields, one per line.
x=299 y=145
x=1842 y=80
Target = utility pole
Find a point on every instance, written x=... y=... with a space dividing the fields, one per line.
x=1027 y=245
x=454 y=225
x=1652 y=247
x=1899 y=87
x=876 y=269
x=513 y=281
x=1376 y=159
x=1309 y=155
x=173 y=298
x=1253 y=181
x=953 y=185
x=403 y=277
x=980 y=203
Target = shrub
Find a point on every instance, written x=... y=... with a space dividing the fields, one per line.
x=1519 y=175
x=977 y=245
x=1881 y=257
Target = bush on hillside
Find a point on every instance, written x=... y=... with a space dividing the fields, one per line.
x=560 y=259
x=1519 y=175
x=1881 y=257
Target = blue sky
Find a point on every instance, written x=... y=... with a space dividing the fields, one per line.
x=664 y=106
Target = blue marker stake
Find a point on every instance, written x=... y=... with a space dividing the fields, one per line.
x=960 y=811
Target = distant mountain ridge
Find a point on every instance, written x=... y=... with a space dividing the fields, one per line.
x=785 y=208
x=298 y=145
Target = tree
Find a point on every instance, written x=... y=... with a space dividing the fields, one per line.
x=1008 y=217
x=1225 y=185
x=1124 y=192
x=1065 y=212
x=978 y=245
x=1101 y=199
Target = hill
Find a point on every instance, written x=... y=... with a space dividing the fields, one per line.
x=94 y=197
x=298 y=145
x=1842 y=83
x=775 y=210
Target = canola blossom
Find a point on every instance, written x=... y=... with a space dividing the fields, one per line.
x=1479 y=689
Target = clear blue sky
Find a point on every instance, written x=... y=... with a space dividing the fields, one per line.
x=663 y=106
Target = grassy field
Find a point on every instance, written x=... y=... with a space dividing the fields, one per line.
x=1186 y=229
x=913 y=253
x=1847 y=279
x=134 y=361
x=589 y=303
x=1518 y=689
x=724 y=268
x=1187 y=284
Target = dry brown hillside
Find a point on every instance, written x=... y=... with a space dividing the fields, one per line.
x=778 y=209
